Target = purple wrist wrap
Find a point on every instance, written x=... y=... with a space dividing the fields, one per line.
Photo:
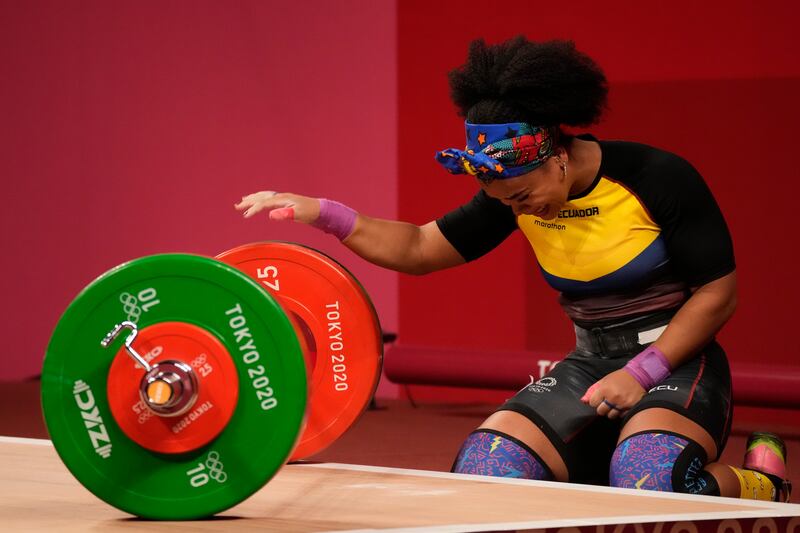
x=649 y=367
x=335 y=218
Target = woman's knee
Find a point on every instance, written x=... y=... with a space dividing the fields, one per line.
x=487 y=452
x=510 y=445
x=661 y=461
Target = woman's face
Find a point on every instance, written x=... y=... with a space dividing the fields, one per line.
x=541 y=192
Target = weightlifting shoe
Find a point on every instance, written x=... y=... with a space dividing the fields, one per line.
x=766 y=453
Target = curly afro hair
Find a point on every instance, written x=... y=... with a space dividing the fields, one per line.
x=544 y=84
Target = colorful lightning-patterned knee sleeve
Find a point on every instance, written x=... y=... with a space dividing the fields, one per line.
x=490 y=453
x=661 y=461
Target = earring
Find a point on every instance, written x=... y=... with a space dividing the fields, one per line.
x=563 y=165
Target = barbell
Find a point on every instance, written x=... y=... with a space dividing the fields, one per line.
x=175 y=386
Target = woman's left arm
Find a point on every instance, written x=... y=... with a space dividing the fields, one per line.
x=698 y=320
x=692 y=327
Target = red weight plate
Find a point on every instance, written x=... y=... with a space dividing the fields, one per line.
x=217 y=384
x=336 y=318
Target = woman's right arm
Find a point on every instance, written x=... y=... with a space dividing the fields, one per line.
x=402 y=246
x=390 y=244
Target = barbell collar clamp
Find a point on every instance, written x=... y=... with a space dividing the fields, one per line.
x=114 y=333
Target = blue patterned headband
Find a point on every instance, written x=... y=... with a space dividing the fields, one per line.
x=500 y=151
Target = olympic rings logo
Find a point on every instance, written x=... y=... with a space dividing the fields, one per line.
x=144 y=414
x=198 y=475
x=215 y=468
x=131 y=304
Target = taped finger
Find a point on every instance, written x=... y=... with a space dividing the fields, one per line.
x=282 y=213
x=587 y=396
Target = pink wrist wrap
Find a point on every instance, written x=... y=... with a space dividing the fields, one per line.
x=649 y=367
x=335 y=218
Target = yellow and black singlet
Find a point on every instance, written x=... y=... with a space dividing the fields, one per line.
x=644 y=232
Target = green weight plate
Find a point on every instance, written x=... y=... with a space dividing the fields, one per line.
x=250 y=449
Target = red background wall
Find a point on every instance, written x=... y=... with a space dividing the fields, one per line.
x=716 y=82
x=131 y=127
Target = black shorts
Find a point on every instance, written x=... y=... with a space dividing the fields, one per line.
x=700 y=390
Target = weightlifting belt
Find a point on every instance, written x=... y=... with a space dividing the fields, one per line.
x=624 y=338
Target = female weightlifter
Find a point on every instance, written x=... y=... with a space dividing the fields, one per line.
x=634 y=242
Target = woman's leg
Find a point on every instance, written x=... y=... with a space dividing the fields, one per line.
x=672 y=438
x=662 y=450
x=545 y=431
x=671 y=452
x=507 y=444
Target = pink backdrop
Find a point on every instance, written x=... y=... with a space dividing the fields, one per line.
x=716 y=82
x=131 y=127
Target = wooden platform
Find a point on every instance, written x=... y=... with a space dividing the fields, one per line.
x=38 y=493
